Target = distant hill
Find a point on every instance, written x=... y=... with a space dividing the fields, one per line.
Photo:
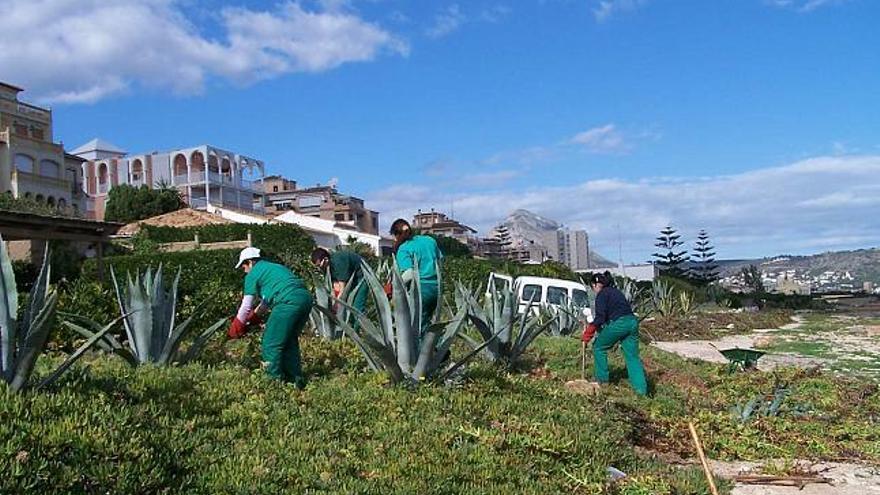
x=862 y=264
x=527 y=228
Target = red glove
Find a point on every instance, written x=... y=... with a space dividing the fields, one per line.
x=589 y=332
x=237 y=329
x=253 y=319
x=389 y=290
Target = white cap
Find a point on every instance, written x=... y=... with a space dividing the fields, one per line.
x=248 y=253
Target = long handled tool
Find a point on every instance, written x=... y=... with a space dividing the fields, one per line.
x=703 y=459
x=582 y=386
x=583 y=360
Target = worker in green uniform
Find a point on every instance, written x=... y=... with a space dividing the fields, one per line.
x=418 y=256
x=282 y=292
x=346 y=268
x=614 y=322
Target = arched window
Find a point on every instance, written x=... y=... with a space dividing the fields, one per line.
x=180 y=168
x=40 y=198
x=226 y=169
x=27 y=195
x=213 y=163
x=103 y=177
x=49 y=168
x=24 y=163
x=197 y=160
x=62 y=203
x=137 y=171
x=51 y=201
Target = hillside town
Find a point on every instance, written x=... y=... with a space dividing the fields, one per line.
x=35 y=165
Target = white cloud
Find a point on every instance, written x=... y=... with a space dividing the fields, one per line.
x=446 y=22
x=804 y=5
x=820 y=203
x=604 y=139
x=605 y=9
x=85 y=50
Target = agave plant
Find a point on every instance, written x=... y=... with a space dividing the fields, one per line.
x=663 y=300
x=326 y=326
x=395 y=343
x=505 y=333
x=149 y=313
x=22 y=341
x=564 y=319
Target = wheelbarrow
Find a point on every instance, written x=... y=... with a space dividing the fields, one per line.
x=740 y=359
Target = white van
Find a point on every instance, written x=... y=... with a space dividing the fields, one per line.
x=545 y=291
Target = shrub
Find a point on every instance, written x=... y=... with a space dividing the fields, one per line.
x=127 y=203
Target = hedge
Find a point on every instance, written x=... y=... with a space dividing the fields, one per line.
x=274 y=239
x=205 y=275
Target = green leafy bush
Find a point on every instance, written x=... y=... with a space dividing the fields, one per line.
x=127 y=203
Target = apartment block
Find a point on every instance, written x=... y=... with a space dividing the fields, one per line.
x=32 y=165
x=439 y=224
x=321 y=201
x=570 y=247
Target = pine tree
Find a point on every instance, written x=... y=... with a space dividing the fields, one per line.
x=704 y=269
x=670 y=261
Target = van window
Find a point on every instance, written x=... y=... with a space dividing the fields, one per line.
x=501 y=284
x=581 y=299
x=531 y=291
x=557 y=295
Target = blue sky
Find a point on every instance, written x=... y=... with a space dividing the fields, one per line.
x=755 y=119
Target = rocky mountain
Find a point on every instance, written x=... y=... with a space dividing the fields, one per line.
x=862 y=264
x=525 y=228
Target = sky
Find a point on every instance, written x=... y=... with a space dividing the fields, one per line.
x=757 y=120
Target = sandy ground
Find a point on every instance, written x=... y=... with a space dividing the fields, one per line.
x=846 y=479
x=855 y=339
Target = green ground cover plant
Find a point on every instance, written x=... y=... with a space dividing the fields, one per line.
x=220 y=428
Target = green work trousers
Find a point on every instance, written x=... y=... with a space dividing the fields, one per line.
x=281 y=354
x=430 y=296
x=360 y=304
x=626 y=331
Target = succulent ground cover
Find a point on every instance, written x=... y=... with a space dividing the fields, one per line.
x=220 y=427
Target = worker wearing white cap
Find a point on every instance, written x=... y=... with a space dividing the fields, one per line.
x=280 y=290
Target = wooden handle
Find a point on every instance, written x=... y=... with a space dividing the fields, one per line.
x=703 y=459
x=583 y=360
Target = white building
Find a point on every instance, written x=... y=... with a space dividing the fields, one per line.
x=204 y=175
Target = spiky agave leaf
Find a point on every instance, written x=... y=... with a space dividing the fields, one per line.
x=8 y=314
x=403 y=324
x=35 y=341
x=38 y=294
x=201 y=341
x=107 y=343
x=172 y=343
x=91 y=342
x=124 y=310
x=383 y=305
x=379 y=354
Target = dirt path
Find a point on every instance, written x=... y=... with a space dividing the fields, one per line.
x=846 y=479
x=837 y=343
